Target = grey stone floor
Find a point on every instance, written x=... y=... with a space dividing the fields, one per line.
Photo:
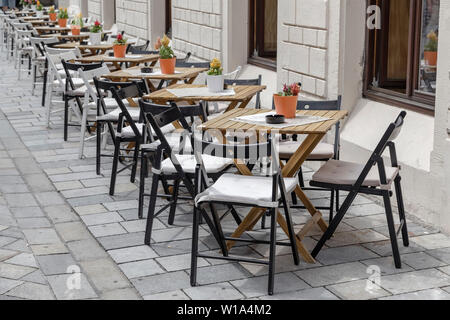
x=63 y=237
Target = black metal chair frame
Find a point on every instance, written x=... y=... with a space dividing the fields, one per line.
x=159 y=116
x=248 y=82
x=103 y=86
x=376 y=159
x=138 y=138
x=250 y=152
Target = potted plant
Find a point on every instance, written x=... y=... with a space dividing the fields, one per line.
x=39 y=9
x=430 y=50
x=96 y=33
x=62 y=17
x=215 y=78
x=120 y=46
x=167 y=59
x=77 y=24
x=33 y=5
x=286 y=100
x=52 y=13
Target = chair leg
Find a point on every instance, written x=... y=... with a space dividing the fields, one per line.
x=331 y=207
x=337 y=200
x=44 y=86
x=290 y=225
x=273 y=245
x=173 y=206
x=391 y=227
x=401 y=210
x=144 y=165
x=215 y=224
x=114 y=167
x=151 y=209
x=334 y=223
x=83 y=131
x=66 y=117
x=135 y=162
x=98 y=148
x=194 y=248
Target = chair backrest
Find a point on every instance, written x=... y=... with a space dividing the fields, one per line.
x=134 y=50
x=376 y=158
x=89 y=75
x=138 y=47
x=183 y=64
x=190 y=111
x=234 y=74
x=325 y=105
x=54 y=63
x=74 y=66
x=185 y=59
x=130 y=91
x=55 y=51
x=248 y=82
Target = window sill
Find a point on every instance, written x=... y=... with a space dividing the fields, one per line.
x=268 y=64
x=400 y=102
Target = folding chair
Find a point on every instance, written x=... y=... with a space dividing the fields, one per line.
x=323 y=152
x=365 y=178
x=57 y=79
x=269 y=192
x=73 y=92
x=108 y=115
x=133 y=133
x=168 y=165
x=38 y=62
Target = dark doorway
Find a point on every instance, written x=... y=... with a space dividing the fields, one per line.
x=263 y=32
x=169 y=18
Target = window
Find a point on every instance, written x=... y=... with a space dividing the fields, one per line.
x=401 y=55
x=263 y=33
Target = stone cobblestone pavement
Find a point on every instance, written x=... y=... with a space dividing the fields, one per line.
x=58 y=223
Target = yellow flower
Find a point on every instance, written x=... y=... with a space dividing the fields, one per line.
x=216 y=64
x=165 y=41
x=432 y=36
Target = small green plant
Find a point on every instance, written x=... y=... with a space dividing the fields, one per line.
x=165 y=50
x=215 y=67
x=63 y=14
x=432 y=44
x=78 y=21
x=39 y=6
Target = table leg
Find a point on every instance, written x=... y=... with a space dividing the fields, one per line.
x=289 y=170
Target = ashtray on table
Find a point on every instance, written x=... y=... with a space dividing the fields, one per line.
x=275 y=119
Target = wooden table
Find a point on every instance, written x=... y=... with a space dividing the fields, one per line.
x=36 y=18
x=37 y=23
x=93 y=49
x=133 y=61
x=314 y=132
x=52 y=29
x=243 y=96
x=185 y=74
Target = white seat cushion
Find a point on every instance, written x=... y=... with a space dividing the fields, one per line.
x=128 y=132
x=114 y=115
x=321 y=151
x=188 y=163
x=77 y=82
x=174 y=142
x=346 y=173
x=252 y=190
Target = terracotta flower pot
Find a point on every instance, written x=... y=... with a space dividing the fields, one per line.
x=62 y=23
x=52 y=16
x=76 y=30
x=430 y=57
x=285 y=106
x=119 y=50
x=167 y=65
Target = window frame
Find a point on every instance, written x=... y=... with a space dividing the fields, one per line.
x=411 y=99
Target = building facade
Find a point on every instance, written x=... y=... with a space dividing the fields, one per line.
x=373 y=53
